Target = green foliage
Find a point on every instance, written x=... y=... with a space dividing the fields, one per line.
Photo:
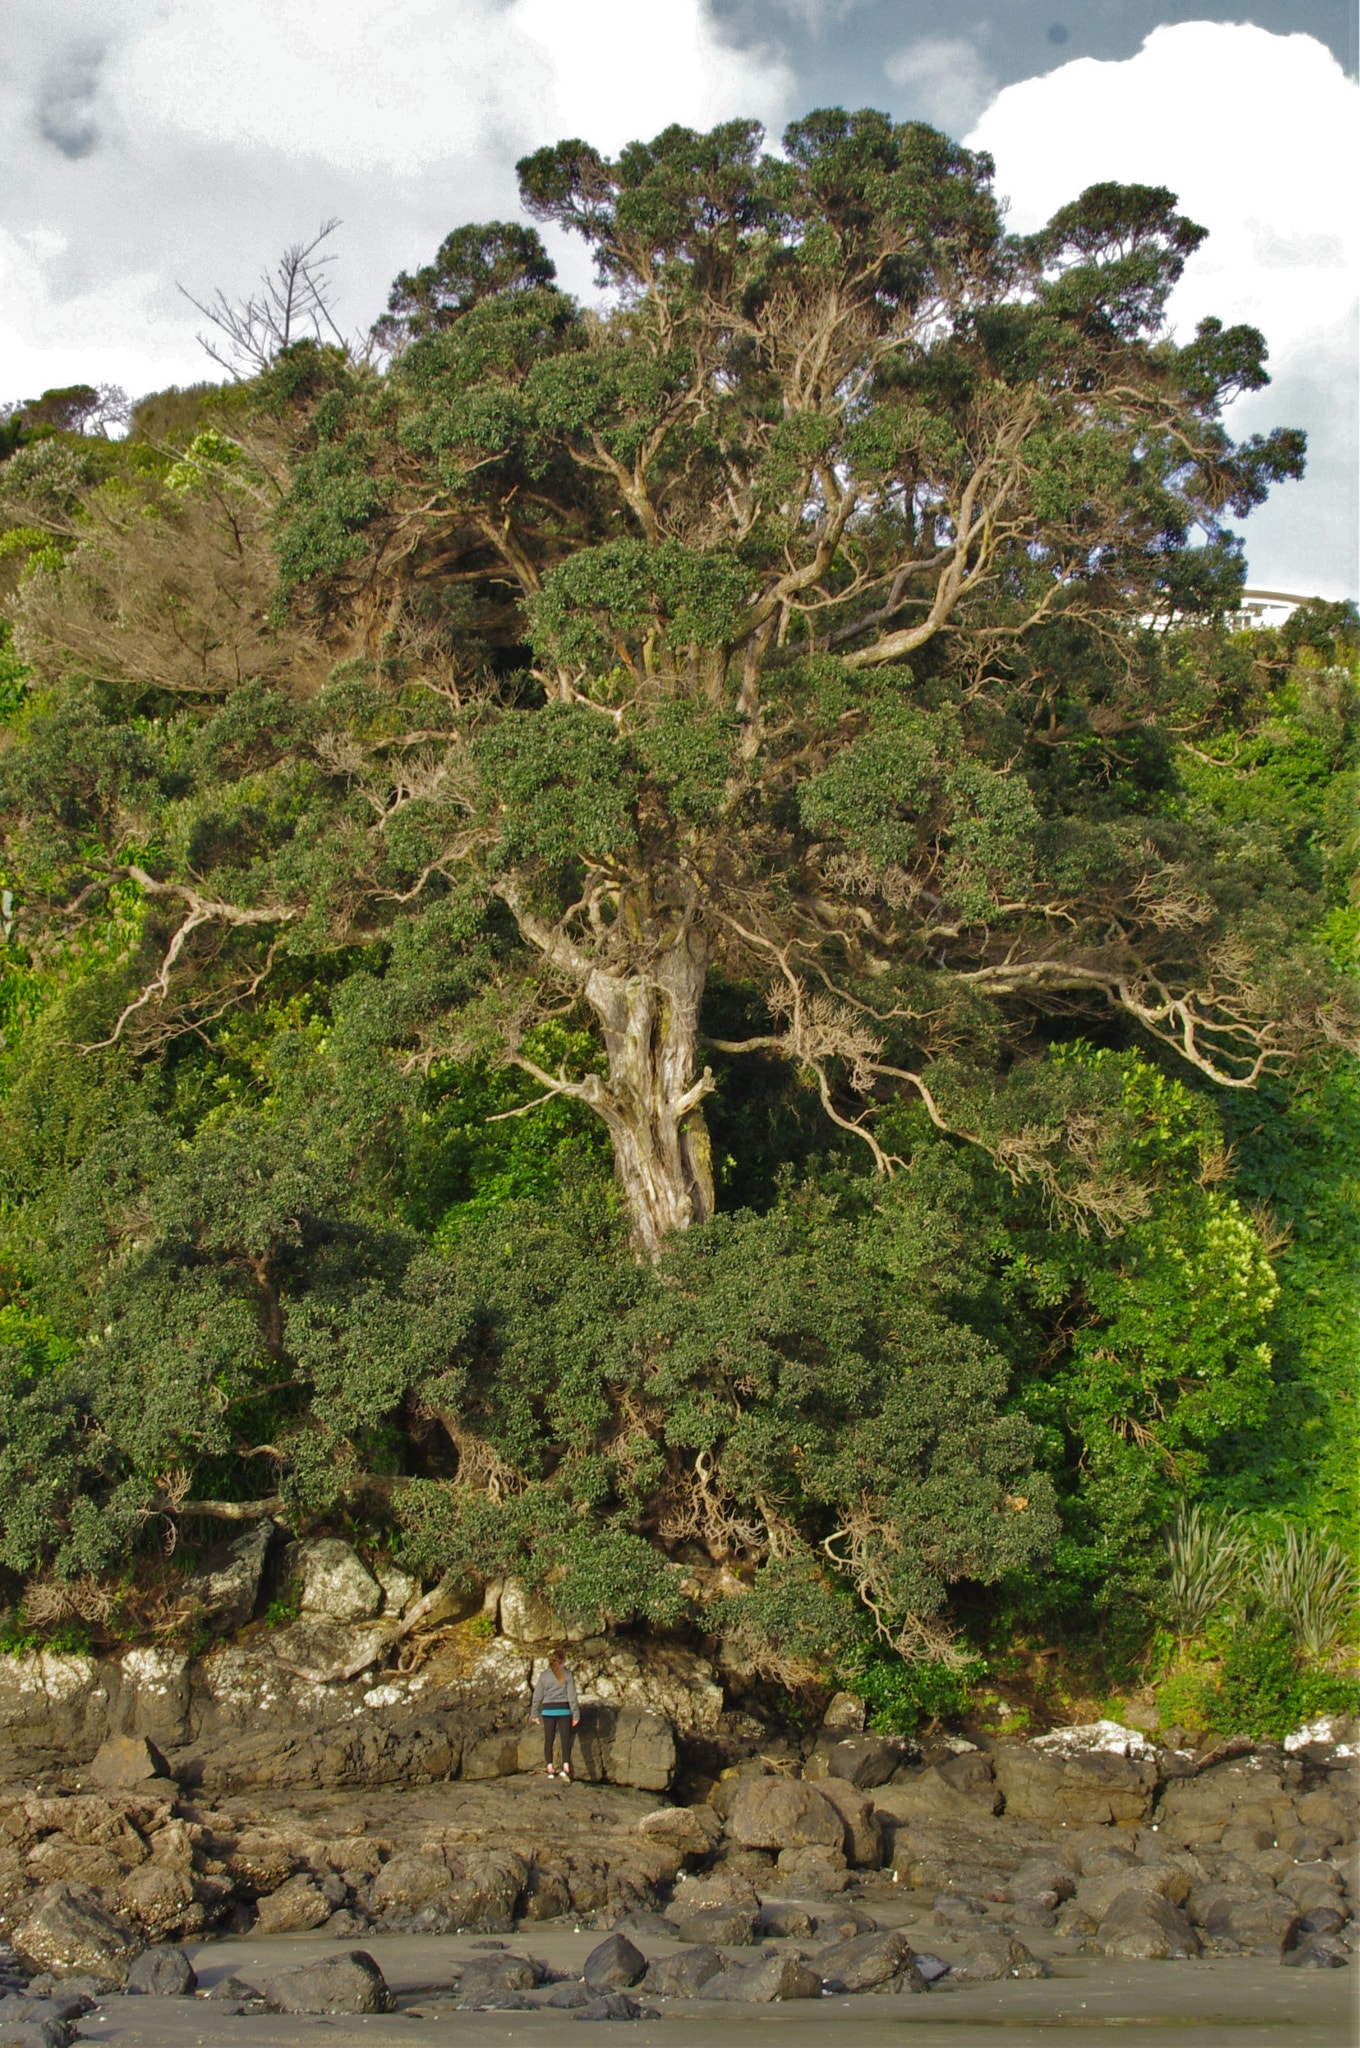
x=585 y=738
x=1260 y=1690
x=1310 y=1586
x=899 y=1694
x=1206 y=1553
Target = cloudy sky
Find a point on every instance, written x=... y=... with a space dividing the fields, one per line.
x=146 y=143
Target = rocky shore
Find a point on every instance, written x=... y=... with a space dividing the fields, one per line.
x=267 y=1787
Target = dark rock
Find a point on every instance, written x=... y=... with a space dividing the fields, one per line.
x=227 y=1586
x=492 y=1977
x=683 y=1976
x=68 y=1932
x=1322 y=1920
x=924 y=1793
x=162 y=1972
x=1090 y=1786
x=1142 y=1927
x=565 y=1998
x=128 y=1763
x=784 y=1922
x=958 y=1909
x=295 y=1908
x=844 y=1715
x=1319 y=1952
x=641 y=1750
x=863 y=1830
x=345 y=1983
x=1268 y=1925
x=41 y=2030
x=617 y=2005
x=239 y=1997
x=615 y=1965
x=654 y=1924
x=779 y=1813
x=931 y=1968
x=992 y=1955
x=333 y=1581
x=767 y=1982
x=1041 y=1881
x=867 y=1961
x=844 y=1922
x=346 y=1925
x=727 y=1926
x=70 y=1996
x=862 y=1760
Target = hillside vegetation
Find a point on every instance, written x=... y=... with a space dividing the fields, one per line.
x=674 y=950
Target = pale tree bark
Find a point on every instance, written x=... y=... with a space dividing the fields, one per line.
x=647 y=999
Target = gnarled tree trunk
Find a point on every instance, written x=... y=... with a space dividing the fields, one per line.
x=650 y=1021
x=647 y=995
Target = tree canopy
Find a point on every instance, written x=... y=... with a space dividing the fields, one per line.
x=796 y=688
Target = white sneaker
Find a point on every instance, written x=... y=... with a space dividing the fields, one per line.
x=552 y=1770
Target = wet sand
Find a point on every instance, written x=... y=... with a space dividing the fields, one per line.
x=1241 y=2000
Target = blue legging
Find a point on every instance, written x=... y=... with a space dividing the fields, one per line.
x=552 y=1724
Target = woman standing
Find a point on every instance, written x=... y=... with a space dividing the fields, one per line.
x=556 y=1705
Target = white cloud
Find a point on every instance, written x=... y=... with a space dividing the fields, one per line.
x=1259 y=136
x=149 y=141
x=948 y=83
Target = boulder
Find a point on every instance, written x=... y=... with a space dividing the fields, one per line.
x=689 y=1830
x=1267 y=1926
x=615 y=1965
x=409 y=1880
x=30 y=2023
x=1079 y=1789
x=1318 y=1952
x=721 y=1886
x=163 y=1972
x=992 y=1954
x=685 y=1975
x=530 y=1617
x=487 y=1979
x=161 y=1899
x=863 y=1832
x=1096 y=1895
x=399 y=1589
x=868 y=1961
x=351 y=1982
x=333 y=1581
x=815 y=1872
x=1041 y=1881
x=641 y=1750
x=785 y=1923
x=844 y=1715
x=1142 y=1926
x=153 y=1696
x=564 y=1998
x=128 y=1763
x=68 y=1933
x=954 y=1790
x=485 y=1890
x=227 y=1584
x=616 y=2005
x=863 y=1760
x=547 y=1893
x=780 y=1813
x=295 y=1908
x=767 y=1982
x=727 y=1926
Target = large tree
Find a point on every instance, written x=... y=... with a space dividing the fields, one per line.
x=795 y=614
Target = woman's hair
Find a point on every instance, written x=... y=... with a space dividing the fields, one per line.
x=557 y=1661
